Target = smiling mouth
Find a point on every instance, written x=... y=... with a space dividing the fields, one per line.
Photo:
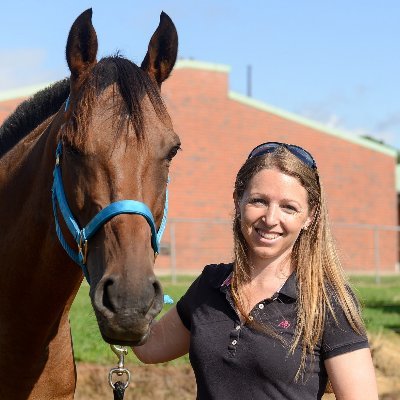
x=268 y=235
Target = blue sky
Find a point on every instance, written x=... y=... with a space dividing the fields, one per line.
x=335 y=62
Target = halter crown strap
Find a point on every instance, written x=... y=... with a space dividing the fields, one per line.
x=81 y=236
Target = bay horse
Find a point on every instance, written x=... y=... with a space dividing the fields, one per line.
x=110 y=145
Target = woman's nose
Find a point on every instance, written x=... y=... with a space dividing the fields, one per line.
x=271 y=215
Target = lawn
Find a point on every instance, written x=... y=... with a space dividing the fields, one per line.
x=381 y=310
x=381 y=302
x=87 y=341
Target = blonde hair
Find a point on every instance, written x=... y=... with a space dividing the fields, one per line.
x=314 y=257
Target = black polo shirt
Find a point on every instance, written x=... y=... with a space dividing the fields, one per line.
x=234 y=361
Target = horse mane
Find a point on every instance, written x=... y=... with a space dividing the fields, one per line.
x=132 y=85
x=132 y=82
x=31 y=113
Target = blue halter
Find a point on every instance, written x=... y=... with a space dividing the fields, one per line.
x=82 y=236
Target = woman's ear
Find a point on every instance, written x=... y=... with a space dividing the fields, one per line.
x=310 y=219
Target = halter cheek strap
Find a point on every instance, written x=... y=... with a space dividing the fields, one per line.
x=82 y=236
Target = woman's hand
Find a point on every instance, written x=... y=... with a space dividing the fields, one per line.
x=168 y=339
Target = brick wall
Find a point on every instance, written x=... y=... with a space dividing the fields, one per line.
x=7 y=107
x=218 y=129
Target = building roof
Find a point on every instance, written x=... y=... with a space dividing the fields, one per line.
x=251 y=102
x=27 y=91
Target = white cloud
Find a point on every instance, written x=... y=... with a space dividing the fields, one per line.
x=387 y=128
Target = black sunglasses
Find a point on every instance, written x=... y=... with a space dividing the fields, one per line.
x=299 y=152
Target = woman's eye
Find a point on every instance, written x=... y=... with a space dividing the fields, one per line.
x=290 y=209
x=257 y=201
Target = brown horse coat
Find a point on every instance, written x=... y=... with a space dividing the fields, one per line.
x=118 y=142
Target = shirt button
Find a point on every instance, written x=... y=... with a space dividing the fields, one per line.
x=234 y=342
x=261 y=306
x=237 y=327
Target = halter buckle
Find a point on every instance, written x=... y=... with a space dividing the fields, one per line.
x=82 y=249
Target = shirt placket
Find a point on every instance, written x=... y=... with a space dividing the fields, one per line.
x=234 y=334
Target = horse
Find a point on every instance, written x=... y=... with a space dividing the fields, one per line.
x=93 y=151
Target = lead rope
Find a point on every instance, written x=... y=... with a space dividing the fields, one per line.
x=119 y=386
x=119 y=390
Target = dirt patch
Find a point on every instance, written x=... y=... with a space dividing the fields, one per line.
x=148 y=382
x=386 y=356
x=169 y=382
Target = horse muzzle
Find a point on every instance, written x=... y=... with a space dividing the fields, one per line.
x=124 y=311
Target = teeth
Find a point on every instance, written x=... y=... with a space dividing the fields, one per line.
x=269 y=236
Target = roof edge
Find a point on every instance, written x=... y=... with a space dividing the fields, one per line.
x=25 y=91
x=194 y=64
x=388 y=150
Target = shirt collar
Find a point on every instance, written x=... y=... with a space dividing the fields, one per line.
x=288 y=289
x=228 y=279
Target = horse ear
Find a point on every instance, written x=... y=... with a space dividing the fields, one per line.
x=82 y=45
x=162 y=51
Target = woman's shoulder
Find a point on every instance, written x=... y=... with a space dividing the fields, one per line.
x=201 y=290
x=216 y=274
x=343 y=330
x=337 y=298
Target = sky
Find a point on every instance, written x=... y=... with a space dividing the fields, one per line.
x=334 y=62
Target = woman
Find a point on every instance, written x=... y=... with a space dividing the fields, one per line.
x=281 y=319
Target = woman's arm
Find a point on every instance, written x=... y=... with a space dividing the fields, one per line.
x=168 y=339
x=352 y=375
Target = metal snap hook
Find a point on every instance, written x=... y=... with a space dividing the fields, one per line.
x=119 y=372
x=120 y=352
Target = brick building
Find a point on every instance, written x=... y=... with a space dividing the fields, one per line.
x=218 y=128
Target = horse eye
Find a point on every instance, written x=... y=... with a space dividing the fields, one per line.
x=72 y=149
x=173 y=152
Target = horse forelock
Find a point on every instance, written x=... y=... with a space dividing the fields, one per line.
x=31 y=113
x=132 y=85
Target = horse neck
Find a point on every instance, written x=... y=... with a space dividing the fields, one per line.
x=38 y=281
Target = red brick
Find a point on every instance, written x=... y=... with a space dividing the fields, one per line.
x=217 y=132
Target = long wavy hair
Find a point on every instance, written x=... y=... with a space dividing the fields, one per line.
x=314 y=258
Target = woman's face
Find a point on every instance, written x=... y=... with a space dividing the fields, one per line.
x=273 y=210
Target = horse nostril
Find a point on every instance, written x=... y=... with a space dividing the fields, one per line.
x=107 y=303
x=157 y=289
x=115 y=299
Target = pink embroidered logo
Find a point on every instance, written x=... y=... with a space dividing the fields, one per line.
x=284 y=324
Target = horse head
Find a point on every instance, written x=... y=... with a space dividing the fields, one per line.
x=117 y=144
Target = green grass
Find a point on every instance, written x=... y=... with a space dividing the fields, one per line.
x=88 y=343
x=381 y=310
x=381 y=302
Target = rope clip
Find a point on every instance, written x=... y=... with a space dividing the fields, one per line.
x=121 y=352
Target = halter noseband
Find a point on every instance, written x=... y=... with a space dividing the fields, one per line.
x=82 y=236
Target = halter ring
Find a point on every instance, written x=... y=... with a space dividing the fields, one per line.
x=82 y=249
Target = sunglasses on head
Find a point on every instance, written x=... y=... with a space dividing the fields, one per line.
x=299 y=152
